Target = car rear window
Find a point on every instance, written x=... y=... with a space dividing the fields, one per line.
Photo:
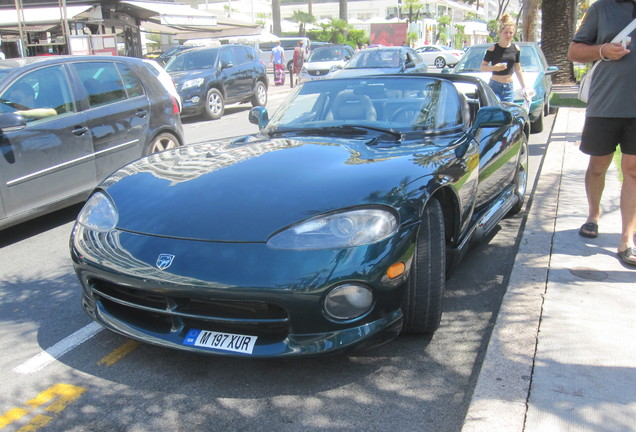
x=103 y=82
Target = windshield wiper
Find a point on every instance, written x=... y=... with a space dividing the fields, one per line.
x=342 y=128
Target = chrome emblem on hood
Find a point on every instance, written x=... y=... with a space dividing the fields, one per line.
x=164 y=261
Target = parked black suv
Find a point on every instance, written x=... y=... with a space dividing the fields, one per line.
x=68 y=122
x=209 y=78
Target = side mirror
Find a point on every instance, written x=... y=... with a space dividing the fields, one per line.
x=226 y=64
x=409 y=65
x=551 y=70
x=492 y=117
x=259 y=116
x=446 y=70
x=11 y=121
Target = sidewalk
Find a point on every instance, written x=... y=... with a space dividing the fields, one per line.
x=562 y=355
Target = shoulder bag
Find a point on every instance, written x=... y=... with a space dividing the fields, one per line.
x=586 y=81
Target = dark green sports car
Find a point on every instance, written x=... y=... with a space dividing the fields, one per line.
x=333 y=228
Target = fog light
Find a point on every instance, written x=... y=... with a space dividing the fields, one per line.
x=347 y=302
x=195 y=99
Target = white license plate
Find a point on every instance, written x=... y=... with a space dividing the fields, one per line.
x=221 y=341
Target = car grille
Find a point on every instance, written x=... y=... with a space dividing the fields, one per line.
x=163 y=314
x=318 y=72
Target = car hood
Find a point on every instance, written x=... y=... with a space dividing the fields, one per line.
x=532 y=79
x=323 y=64
x=181 y=76
x=222 y=191
x=348 y=73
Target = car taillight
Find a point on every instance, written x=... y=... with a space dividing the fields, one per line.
x=175 y=106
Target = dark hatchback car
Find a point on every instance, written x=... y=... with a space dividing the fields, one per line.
x=68 y=122
x=208 y=79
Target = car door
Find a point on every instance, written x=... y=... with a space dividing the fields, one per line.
x=118 y=112
x=49 y=157
x=230 y=75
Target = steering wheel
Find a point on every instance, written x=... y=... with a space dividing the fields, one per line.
x=407 y=114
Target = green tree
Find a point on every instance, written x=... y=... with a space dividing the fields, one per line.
x=412 y=8
x=442 y=25
x=302 y=18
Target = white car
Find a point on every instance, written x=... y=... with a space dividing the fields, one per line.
x=324 y=61
x=439 y=55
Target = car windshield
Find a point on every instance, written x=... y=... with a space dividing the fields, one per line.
x=193 y=59
x=366 y=106
x=326 y=54
x=471 y=61
x=374 y=58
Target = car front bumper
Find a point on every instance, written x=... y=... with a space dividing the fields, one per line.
x=275 y=296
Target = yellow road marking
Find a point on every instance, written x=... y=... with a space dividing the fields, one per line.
x=35 y=424
x=11 y=416
x=119 y=353
x=60 y=394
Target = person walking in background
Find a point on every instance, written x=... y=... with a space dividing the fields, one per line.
x=299 y=60
x=610 y=117
x=277 y=59
x=502 y=59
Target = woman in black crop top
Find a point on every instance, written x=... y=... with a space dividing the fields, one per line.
x=502 y=59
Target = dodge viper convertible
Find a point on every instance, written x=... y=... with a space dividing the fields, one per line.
x=333 y=228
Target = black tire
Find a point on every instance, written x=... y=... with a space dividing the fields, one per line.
x=439 y=62
x=521 y=177
x=546 y=108
x=537 y=125
x=260 y=94
x=214 y=105
x=422 y=305
x=163 y=141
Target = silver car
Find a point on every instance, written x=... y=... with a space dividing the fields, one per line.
x=324 y=61
x=68 y=122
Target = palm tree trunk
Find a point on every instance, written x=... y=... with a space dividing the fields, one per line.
x=557 y=29
x=277 y=30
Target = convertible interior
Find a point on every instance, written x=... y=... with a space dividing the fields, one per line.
x=399 y=103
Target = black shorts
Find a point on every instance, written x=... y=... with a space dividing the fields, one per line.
x=601 y=135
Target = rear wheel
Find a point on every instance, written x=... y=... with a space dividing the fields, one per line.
x=422 y=306
x=260 y=94
x=521 y=177
x=214 y=105
x=440 y=62
x=161 y=142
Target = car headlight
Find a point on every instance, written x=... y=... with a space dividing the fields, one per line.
x=337 y=230
x=99 y=213
x=346 y=302
x=303 y=70
x=335 y=68
x=192 y=83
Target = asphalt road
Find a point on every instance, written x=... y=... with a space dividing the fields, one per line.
x=62 y=373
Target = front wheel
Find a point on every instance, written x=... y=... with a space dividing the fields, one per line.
x=214 y=105
x=440 y=62
x=163 y=141
x=537 y=125
x=260 y=94
x=521 y=177
x=422 y=305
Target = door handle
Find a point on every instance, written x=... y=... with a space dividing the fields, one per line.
x=141 y=113
x=80 y=130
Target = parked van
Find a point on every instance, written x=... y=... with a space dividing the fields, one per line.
x=288 y=44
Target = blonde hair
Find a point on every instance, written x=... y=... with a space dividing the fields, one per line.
x=505 y=21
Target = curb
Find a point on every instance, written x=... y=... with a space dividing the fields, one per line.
x=499 y=401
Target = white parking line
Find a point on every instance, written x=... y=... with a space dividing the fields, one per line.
x=51 y=354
